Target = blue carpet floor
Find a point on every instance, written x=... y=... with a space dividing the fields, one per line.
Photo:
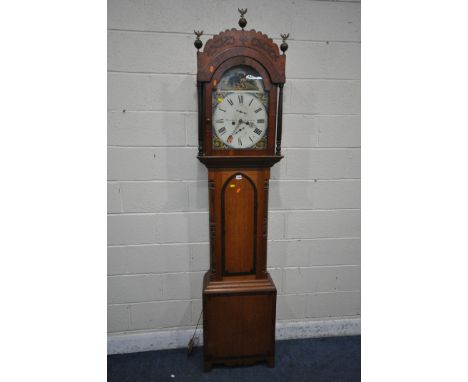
x=320 y=359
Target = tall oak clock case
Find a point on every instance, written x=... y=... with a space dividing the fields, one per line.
x=240 y=80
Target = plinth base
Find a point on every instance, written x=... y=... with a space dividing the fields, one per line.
x=239 y=322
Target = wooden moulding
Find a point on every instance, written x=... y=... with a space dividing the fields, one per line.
x=240 y=161
x=238 y=286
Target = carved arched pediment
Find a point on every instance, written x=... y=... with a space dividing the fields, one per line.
x=251 y=39
x=234 y=42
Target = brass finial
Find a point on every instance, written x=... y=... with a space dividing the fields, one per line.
x=242 y=20
x=198 y=43
x=284 y=44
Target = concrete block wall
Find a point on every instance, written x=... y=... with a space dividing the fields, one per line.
x=157 y=189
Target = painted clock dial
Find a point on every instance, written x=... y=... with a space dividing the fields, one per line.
x=240 y=120
x=240 y=110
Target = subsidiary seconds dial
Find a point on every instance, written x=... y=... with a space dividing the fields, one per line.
x=240 y=120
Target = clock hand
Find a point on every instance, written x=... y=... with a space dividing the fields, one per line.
x=251 y=124
x=237 y=130
x=237 y=126
x=229 y=140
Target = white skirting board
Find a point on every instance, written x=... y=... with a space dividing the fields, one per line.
x=172 y=339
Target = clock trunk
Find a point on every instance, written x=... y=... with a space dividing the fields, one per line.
x=238 y=222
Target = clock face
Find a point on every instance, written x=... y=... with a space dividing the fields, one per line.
x=240 y=120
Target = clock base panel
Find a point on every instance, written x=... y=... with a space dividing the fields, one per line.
x=239 y=322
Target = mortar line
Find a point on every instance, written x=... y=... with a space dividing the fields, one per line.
x=204 y=211
x=137 y=72
x=207 y=269
x=194 y=112
x=195 y=147
x=189 y=34
x=204 y=180
x=185 y=180
x=288 y=240
x=157 y=273
x=192 y=326
x=156 y=244
x=196 y=299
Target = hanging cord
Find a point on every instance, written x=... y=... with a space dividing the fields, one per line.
x=192 y=340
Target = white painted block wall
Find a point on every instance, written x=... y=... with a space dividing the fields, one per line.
x=157 y=189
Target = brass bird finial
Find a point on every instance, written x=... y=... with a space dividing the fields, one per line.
x=284 y=44
x=198 y=43
x=242 y=20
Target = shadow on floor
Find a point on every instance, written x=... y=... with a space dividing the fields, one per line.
x=317 y=359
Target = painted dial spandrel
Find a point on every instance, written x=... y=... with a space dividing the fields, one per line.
x=240 y=120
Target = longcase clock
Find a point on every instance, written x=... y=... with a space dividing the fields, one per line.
x=240 y=80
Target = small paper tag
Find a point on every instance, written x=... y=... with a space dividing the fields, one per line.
x=238 y=176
